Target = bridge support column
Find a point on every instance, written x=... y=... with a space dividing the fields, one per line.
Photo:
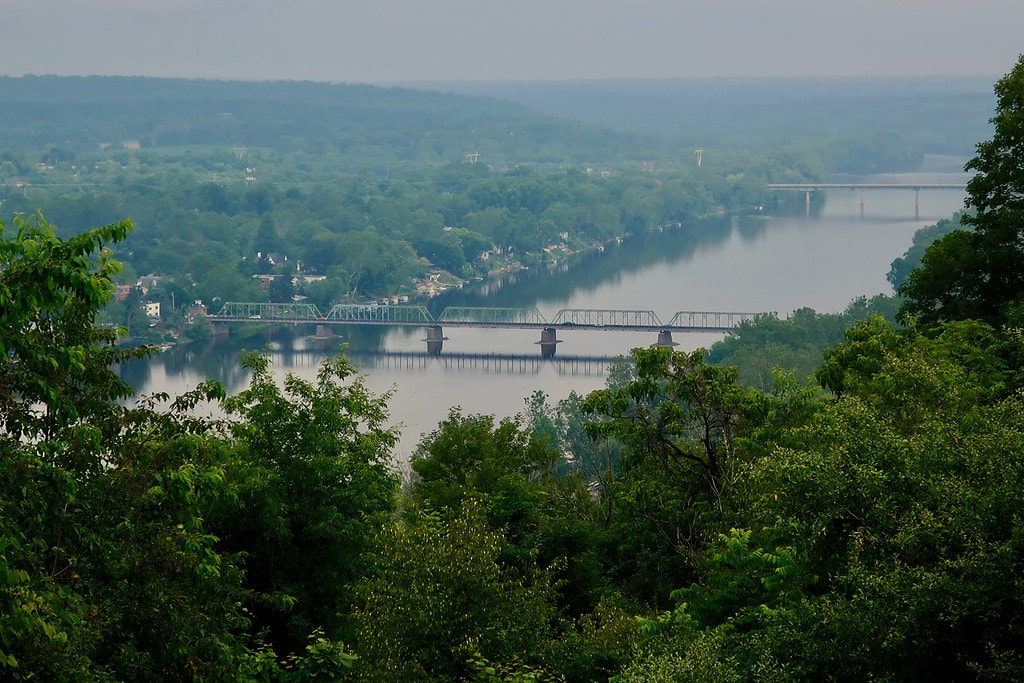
x=219 y=329
x=548 y=342
x=435 y=340
x=862 y=204
x=665 y=339
x=324 y=332
x=917 y=203
x=807 y=202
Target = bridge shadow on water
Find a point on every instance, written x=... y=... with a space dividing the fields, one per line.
x=501 y=363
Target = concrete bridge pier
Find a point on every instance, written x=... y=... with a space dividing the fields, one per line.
x=548 y=342
x=324 y=332
x=435 y=340
x=665 y=339
x=218 y=329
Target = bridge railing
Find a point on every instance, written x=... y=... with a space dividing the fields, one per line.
x=268 y=311
x=485 y=315
x=377 y=313
x=709 y=319
x=606 y=317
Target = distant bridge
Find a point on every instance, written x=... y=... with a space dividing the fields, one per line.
x=808 y=188
x=486 y=317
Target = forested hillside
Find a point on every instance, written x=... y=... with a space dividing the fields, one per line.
x=355 y=126
x=898 y=116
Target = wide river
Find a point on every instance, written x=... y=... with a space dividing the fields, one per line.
x=736 y=263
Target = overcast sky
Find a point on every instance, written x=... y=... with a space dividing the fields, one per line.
x=404 y=41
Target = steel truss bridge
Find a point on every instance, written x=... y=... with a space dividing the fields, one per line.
x=478 y=316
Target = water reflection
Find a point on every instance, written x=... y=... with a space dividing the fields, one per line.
x=592 y=269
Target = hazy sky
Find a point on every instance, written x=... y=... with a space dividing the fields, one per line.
x=387 y=41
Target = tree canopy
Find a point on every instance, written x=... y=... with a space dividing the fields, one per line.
x=140 y=542
x=977 y=273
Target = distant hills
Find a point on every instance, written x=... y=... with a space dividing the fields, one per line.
x=942 y=115
x=355 y=121
x=505 y=123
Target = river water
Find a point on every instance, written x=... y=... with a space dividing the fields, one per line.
x=751 y=263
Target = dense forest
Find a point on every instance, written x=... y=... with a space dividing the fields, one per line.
x=678 y=525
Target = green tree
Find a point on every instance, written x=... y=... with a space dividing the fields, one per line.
x=978 y=274
x=902 y=267
x=545 y=524
x=899 y=497
x=469 y=454
x=469 y=457
x=680 y=420
x=108 y=567
x=55 y=363
x=439 y=599
x=282 y=288
x=314 y=483
x=108 y=571
x=882 y=532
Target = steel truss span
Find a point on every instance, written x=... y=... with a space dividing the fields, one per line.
x=485 y=315
x=481 y=316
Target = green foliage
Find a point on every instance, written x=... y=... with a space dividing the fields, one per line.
x=45 y=630
x=516 y=672
x=744 y=583
x=109 y=571
x=942 y=288
x=313 y=484
x=901 y=268
x=439 y=598
x=977 y=274
x=469 y=455
x=323 y=660
x=680 y=419
x=682 y=423
x=112 y=565
x=882 y=530
x=758 y=347
x=991 y=360
x=55 y=365
x=700 y=658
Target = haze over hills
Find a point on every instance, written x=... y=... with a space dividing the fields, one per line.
x=356 y=121
x=505 y=122
x=942 y=114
